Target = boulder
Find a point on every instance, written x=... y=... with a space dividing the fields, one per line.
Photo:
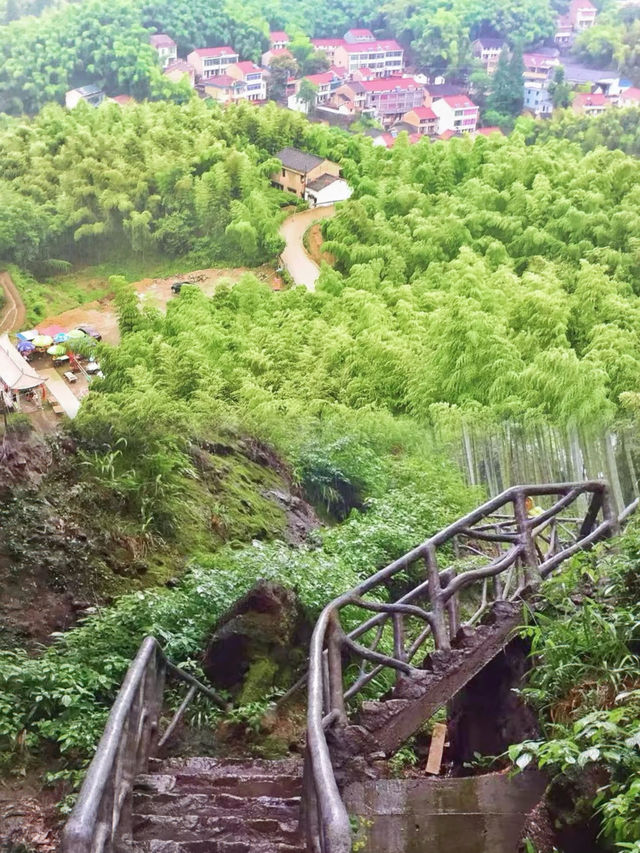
x=259 y=644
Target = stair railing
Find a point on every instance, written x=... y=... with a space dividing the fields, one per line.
x=101 y=818
x=498 y=552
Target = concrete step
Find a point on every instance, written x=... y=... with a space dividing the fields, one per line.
x=219 y=783
x=280 y=808
x=216 y=846
x=240 y=766
x=240 y=827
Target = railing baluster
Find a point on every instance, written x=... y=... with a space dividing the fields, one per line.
x=529 y=556
x=440 y=635
x=334 y=664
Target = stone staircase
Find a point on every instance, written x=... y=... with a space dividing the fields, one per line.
x=209 y=805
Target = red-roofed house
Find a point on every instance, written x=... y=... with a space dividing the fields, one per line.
x=354 y=36
x=328 y=46
x=362 y=74
x=488 y=131
x=423 y=119
x=539 y=63
x=253 y=77
x=326 y=83
x=278 y=39
x=224 y=88
x=210 y=61
x=629 y=97
x=580 y=16
x=165 y=47
x=586 y=103
x=123 y=100
x=275 y=53
x=390 y=98
x=457 y=113
x=384 y=57
x=178 y=70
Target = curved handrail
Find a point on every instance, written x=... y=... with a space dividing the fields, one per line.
x=101 y=813
x=328 y=825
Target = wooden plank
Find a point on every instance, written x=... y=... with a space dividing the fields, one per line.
x=436 y=748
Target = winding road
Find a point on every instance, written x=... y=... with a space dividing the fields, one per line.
x=13 y=313
x=302 y=269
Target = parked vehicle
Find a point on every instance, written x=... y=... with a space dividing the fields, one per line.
x=176 y=287
x=91 y=331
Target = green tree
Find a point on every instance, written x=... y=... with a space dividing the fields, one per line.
x=507 y=95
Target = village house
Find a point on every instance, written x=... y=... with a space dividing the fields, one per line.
x=278 y=40
x=537 y=98
x=123 y=100
x=299 y=169
x=165 y=47
x=179 y=70
x=422 y=120
x=356 y=36
x=580 y=16
x=350 y=98
x=590 y=104
x=539 y=63
x=328 y=46
x=327 y=189
x=325 y=83
x=210 y=61
x=253 y=77
x=488 y=51
x=629 y=97
x=224 y=89
x=389 y=98
x=384 y=57
x=274 y=53
x=91 y=94
x=456 y=113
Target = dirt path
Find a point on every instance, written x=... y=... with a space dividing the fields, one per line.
x=300 y=266
x=152 y=292
x=13 y=314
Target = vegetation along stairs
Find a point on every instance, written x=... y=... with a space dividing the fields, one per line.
x=413 y=635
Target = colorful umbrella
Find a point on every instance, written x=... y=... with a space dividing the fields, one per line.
x=60 y=338
x=76 y=335
x=52 y=331
x=28 y=335
x=57 y=349
x=25 y=346
x=42 y=341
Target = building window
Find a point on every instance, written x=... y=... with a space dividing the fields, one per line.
x=283 y=173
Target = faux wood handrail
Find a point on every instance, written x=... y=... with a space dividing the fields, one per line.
x=101 y=815
x=328 y=829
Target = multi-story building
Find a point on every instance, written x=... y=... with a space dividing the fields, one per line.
x=274 y=53
x=629 y=97
x=456 y=113
x=224 y=88
x=165 y=47
x=299 y=169
x=580 y=16
x=388 y=99
x=278 y=39
x=422 y=121
x=328 y=46
x=253 y=77
x=488 y=51
x=590 y=104
x=539 y=63
x=355 y=36
x=384 y=57
x=211 y=61
x=536 y=95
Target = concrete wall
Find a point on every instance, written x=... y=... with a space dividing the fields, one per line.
x=481 y=814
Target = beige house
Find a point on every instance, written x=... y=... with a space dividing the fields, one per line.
x=300 y=169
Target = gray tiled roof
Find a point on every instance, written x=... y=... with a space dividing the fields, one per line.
x=299 y=161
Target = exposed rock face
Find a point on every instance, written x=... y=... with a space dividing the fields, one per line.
x=258 y=644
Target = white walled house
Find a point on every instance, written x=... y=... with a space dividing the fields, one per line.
x=165 y=47
x=327 y=189
x=210 y=61
x=456 y=113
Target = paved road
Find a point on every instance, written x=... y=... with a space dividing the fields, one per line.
x=295 y=258
x=13 y=313
x=57 y=387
